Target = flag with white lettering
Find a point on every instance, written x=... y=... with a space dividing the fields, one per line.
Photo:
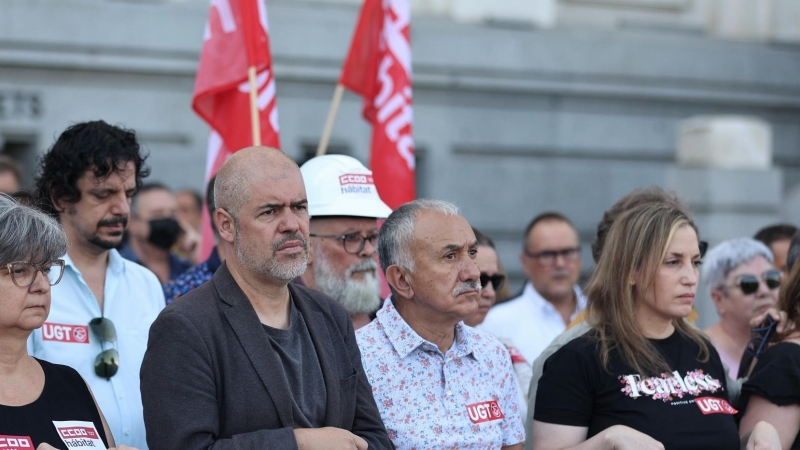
x=236 y=37
x=378 y=68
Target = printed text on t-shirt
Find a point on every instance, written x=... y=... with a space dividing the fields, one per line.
x=668 y=386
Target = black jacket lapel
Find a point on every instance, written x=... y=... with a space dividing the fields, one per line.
x=244 y=321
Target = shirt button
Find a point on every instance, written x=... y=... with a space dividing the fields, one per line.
x=449 y=392
x=127 y=432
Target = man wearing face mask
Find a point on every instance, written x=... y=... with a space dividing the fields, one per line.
x=153 y=230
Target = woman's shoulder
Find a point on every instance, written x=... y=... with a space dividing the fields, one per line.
x=584 y=345
x=783 y=353
x=776 y=373
x=61 y=374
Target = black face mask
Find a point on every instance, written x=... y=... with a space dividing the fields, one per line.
x=164 y=232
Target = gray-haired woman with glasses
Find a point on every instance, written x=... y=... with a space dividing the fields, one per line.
x=743 y=283
x=42 y=405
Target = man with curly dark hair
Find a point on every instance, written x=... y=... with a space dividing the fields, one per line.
x=104 y=304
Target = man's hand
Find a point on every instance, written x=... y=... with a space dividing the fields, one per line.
x=620 y=437
x=328 y=438
x=764 y=437
x=780 y=316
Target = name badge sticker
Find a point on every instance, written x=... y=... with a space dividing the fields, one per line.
x=15 y=442
x=77 y=434
x=714 y=405
x=59 y=332
x=484 y=412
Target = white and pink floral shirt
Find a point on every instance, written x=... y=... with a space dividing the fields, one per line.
x=465 y=398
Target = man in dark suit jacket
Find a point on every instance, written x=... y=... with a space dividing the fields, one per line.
x=247 y=361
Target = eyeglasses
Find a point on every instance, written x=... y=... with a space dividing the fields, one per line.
x=106 y=364
x=353 y=243
x=496 y=280
x=23 y=273
x=749 y=283
x=549 y=257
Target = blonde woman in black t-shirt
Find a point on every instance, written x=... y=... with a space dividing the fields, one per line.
x=42 y=405
x=772 y=393
x=641 y=378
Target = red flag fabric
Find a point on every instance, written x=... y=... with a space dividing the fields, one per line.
x=378 y=67
x=236 y=37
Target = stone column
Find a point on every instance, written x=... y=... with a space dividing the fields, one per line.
x=724 y=173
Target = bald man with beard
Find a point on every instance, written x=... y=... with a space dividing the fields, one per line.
x=248 y=360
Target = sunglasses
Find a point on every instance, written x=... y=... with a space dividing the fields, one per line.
x=496 y=280
x=749 y=283
x=106 y=364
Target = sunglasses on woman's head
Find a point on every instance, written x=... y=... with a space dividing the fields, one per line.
x=749 y=283
x=496 y=280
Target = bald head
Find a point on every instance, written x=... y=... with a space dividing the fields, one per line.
x=245 y=167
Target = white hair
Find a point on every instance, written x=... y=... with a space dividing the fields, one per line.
x=727 y=256
x=397 y=232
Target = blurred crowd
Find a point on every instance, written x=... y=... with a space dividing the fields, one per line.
x=280 y=337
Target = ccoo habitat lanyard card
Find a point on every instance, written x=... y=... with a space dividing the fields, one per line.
x=77 y=434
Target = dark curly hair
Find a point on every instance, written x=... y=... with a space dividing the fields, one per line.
x=95 y=146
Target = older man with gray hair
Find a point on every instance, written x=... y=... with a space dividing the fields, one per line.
x=437 y=382
x=344 y=206
x=743 y=283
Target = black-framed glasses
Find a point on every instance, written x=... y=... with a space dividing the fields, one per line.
x=23 y=273
x=353 y=243
x=106 y=364
x=749 y=283
x=497 y=280
x=549 y=257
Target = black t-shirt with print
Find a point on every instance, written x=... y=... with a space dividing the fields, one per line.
x=689 y=412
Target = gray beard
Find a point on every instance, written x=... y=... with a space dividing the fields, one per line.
x=273 y=267
x=357 y=296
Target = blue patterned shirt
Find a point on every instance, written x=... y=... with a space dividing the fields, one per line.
x=192 y=278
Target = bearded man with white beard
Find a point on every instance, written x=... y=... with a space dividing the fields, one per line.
x=344 y=207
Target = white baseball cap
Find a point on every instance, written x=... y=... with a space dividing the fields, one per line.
x=339 y=185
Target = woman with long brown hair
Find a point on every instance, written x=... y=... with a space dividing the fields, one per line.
x=772 y=393
x=641 y=378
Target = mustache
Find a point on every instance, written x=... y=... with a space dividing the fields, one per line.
x=473 y=285
x=289 y=237
x=113 y=221
x=364 y=265
x=560 y=272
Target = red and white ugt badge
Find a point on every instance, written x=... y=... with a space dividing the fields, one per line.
x=59 y=332
x=484 y=412
x=714 y=405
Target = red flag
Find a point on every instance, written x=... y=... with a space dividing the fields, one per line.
x=378 y=67
x=236 y=38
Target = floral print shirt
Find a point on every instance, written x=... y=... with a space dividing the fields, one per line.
x=465 y=398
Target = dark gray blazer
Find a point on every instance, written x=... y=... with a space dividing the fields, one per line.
x=210 y=379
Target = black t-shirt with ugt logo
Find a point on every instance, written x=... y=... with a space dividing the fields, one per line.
x=684 y=409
